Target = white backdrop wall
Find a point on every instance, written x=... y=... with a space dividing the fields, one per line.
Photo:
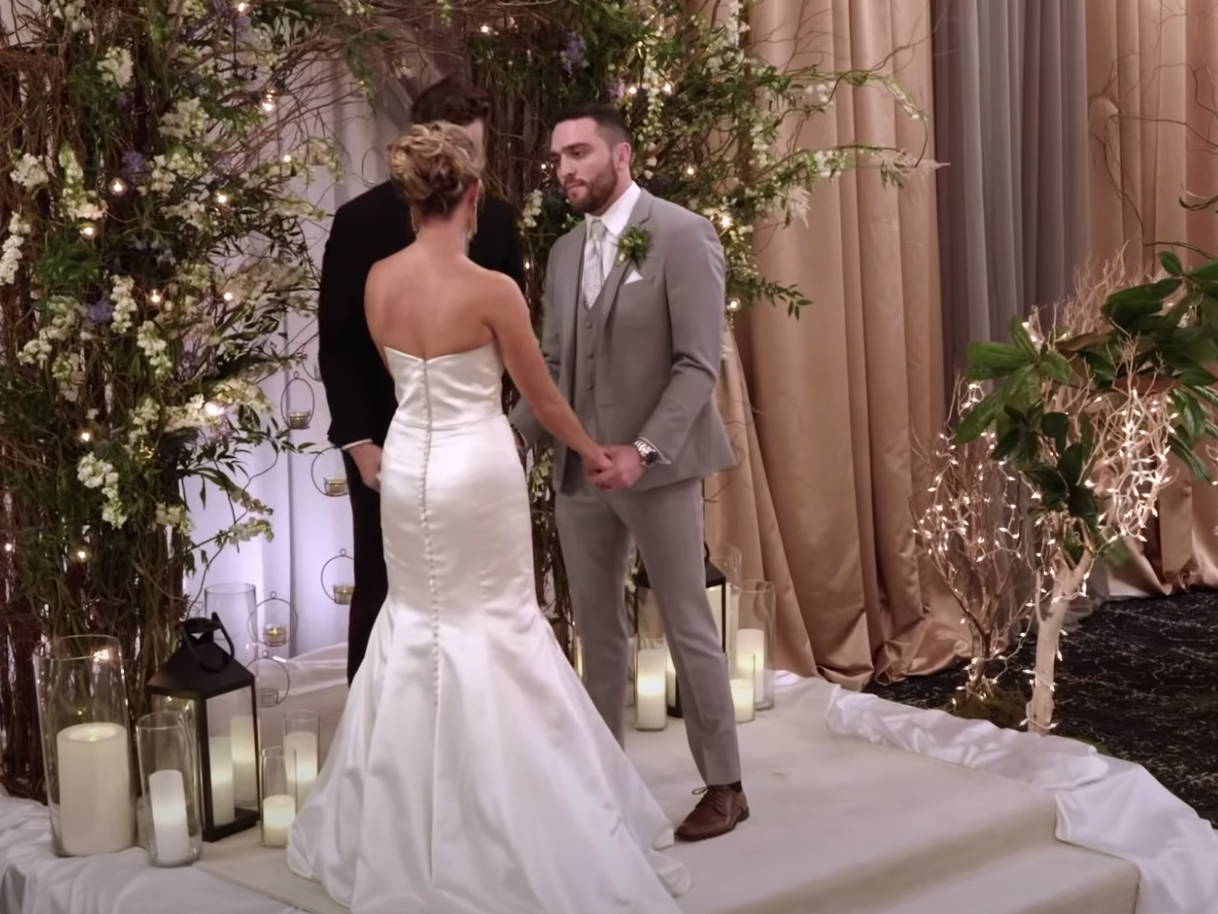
x=311 y=530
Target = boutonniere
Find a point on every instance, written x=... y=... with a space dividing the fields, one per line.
x=633 y=245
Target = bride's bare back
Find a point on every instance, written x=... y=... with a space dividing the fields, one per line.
x=426 y=303
x=430 y=300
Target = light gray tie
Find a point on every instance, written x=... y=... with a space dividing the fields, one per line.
x=594 y=264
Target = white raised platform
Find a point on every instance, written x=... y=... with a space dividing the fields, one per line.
x=840 y=825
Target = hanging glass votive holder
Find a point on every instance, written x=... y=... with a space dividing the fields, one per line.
x=341 y=586
x=272 y=622
x=329 y=474
x=295 y=415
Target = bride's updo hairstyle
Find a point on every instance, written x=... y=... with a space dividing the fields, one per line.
x=432 y=166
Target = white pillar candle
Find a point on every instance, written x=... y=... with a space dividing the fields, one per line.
x=96 y=814
x=304 y=744
x=278 y=813
x=167 y=793
x=651 y=704
x=223 y=806
x=742 y=698
x=245 y=761
x=750 y=655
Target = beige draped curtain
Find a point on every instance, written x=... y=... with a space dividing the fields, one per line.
x=821 y=504
x=1153 y=114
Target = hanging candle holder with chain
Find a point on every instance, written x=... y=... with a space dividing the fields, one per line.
x=333 y=474
x=272 y=622
x=272 y=682
x=295 y=417
x=341 y=586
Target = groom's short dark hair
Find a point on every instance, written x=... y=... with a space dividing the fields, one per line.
x=607 y=118
x=452 y=100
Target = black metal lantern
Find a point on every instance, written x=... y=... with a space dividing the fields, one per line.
x=214 y=694
x=644 y=610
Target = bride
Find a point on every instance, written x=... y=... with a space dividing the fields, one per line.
x=471 y=773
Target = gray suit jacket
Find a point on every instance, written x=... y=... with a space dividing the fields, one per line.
x=657 y=347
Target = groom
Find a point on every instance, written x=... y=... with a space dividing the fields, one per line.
x=632 y=334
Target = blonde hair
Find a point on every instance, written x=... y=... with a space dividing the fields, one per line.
x=432 y=166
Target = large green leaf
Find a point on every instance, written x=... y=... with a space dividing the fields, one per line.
x=1190 y=415
x=1021 y=338
x=979 y=418
x=995 y=357
x=1207 y=272
x=1049 y=482
x=1056 y=367
x=1056 y=426
x=1171 y=263
x=1189 y=458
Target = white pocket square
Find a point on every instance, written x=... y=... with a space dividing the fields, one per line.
x=633 y=276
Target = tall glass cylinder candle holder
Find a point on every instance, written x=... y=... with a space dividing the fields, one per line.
x=279 y=795
x=86 y=739
x=650 y=701
x=743 y=682
x=167 y=759
x=301 y=733
x=234 y=604
x=755 y=637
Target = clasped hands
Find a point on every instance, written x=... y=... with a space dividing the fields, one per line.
x=613 y=468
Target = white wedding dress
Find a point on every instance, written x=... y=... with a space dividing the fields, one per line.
x=471 y=773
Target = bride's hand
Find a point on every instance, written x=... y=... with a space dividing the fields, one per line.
x=596 y=462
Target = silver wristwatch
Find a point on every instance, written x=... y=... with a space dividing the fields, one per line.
x=648 y=455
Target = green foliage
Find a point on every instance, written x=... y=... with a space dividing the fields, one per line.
x=1069 y=409
x=153 y=194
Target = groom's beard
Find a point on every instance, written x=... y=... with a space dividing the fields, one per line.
x=598 y=192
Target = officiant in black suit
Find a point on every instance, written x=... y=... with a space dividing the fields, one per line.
x=358 y=388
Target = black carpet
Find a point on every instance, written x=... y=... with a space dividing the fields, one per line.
x=1137 y=677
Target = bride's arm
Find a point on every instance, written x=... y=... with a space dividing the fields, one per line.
x=507 y=315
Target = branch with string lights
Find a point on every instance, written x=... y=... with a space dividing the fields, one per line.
x=973 y=529
x=1089 y=401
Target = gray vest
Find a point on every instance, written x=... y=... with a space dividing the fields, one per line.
x=583 y=394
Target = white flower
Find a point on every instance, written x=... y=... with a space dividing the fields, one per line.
x=116 y=68
x=31 y=172
x=185 y=121
x=123 y=299
x=10 y=251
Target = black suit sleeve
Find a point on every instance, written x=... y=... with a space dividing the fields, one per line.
x=341 y=354
x=513 y=251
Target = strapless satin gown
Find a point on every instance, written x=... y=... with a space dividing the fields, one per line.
x=471 y=773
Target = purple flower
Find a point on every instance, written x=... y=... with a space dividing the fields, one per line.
x=133 y=167
x=122 y=101
x=242 y=22
x=100 y=311
x=573 y=50
x=617 y=90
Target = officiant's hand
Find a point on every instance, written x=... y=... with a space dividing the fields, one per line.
x=367 y=459
x=626 y=466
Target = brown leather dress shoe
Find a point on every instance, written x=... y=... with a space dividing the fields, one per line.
x=719 y=811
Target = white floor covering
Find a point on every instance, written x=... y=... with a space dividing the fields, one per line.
x=889 y=819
